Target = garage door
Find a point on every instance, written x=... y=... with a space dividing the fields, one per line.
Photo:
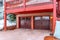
x=42 y=22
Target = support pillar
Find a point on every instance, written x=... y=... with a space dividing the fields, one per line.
x=5 y=16
x=5 y=22
x=54 y=16
x=18 y=22
x=32 y=22
x=51 y=24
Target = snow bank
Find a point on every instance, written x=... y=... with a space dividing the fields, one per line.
x=8 y=23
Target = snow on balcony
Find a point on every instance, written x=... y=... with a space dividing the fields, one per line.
x=9 y=0
x=30 y=2
x=37 y=1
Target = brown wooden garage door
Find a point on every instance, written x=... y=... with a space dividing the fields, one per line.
x=41 y=22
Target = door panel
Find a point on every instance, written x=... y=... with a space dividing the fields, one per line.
x=42 y=23
x=23 y=24
x=26 y=22
x=38 y=22
x=45 y=22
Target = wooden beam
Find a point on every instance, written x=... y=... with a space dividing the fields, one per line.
x=32 y=22
x=30 y=8
x=17 y=20
x=54 y=16
x=24 y=2
x=36 y=14
x=5 y=16
x=51 y=22
x=5 y=22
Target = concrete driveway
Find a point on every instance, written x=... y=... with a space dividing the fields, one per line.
x=23 y=34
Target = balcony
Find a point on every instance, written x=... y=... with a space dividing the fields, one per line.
x=28 y=5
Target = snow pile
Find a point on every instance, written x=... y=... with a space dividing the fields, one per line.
x=8 y=23
x=57 y=30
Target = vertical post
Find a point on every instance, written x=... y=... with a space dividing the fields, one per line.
x=24 y=2
x=58 y=5
x=32 y=22
x=54 y=16
x=17 y=20
x=5 y=16
x=51 y=22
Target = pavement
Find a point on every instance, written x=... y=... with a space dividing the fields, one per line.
x=24 y=34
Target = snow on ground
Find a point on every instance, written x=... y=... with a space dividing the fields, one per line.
x=8 y=23
x=24 y=34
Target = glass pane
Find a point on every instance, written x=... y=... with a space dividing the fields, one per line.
x=45 y=17
x=1 y=2
x=1 y=15
x=37 y=18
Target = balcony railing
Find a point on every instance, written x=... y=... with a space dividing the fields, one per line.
x=20 y=3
